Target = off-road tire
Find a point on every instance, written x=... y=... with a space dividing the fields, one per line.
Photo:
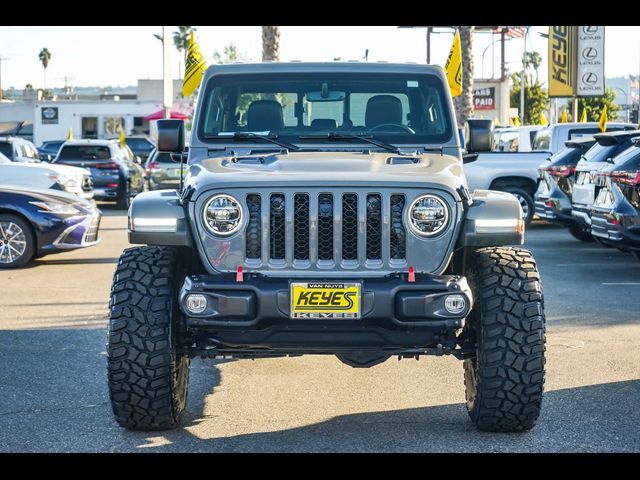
x=580 y=234
x=504 y=381
x=148 y=380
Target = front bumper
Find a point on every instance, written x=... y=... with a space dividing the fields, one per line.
x=256 y=313
x=79 y=232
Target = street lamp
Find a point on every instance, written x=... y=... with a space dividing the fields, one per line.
x=626 y=107
x=482 y=61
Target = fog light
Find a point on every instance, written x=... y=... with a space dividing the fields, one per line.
x=196 y=303
x=455 y=304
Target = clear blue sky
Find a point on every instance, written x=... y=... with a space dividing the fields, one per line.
x=118 y=56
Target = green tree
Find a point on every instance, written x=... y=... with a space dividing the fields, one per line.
x=45 y=57
x=594 y=105
x=270 y=44
x=536 y=99
x=464 y=102
x=181 y=38
x=229 y=54
x=28 y=87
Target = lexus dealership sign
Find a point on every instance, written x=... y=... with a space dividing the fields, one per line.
x=590 y=75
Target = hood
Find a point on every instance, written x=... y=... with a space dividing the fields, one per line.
x=45 y=194
x=431 y=170
x=51 y=168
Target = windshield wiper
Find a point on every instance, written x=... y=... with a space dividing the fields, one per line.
x=352 y=136
x=252 y=136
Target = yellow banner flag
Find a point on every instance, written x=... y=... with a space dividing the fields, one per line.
x=516 y=121
x=122 y=141
x=583 y=116
x=543 y=119
x=194 y=68
x=602 y=123
x=453 y=67
x=70 y=134
x=564 y=118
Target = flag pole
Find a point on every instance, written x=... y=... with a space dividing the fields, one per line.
x=522 y=79
x=167 y=84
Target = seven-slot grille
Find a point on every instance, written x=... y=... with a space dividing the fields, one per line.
x=91 y=235
x=325 y=228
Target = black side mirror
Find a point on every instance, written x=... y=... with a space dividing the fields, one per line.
x=469 y=157
x=479 y=135
x=170 y=136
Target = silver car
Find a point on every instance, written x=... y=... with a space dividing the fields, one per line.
x=162 y=172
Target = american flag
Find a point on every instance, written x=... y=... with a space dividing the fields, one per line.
x=513 y=32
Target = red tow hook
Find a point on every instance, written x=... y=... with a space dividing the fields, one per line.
x=239 y=274
x=411 y=278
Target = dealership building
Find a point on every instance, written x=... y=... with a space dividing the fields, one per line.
x=102 y=116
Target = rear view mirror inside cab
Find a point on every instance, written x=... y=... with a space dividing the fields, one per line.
x=325 y=96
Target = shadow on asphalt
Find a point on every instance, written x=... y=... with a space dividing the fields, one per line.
x=589 y=418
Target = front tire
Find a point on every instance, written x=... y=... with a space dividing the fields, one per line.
x=580 y=234
x=17 y=241
x=504 y=380
x=148 y=380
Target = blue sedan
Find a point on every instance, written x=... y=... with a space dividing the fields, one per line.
x=38 y=222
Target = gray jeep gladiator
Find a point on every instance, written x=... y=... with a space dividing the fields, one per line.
x=325 y=211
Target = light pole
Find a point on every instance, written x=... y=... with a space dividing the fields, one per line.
x=1 y=59
x=522 y=78
x=482 y=61
x=626 y=107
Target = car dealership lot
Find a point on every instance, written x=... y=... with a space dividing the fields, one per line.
x=53 y=373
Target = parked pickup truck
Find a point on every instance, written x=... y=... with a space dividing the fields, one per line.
x=517 y=172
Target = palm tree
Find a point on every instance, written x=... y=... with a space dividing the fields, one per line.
x=45 y=56
x=464 y=101
x=270 y=44
x=181 y=38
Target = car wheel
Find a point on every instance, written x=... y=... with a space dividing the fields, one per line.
x=124 y=202
x=525 y=200
x=17 y=242
x=147 y=378
x=504 y=379
x=580 y=234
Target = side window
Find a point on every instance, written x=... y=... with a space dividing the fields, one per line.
x=542 y=140
x=582 y=132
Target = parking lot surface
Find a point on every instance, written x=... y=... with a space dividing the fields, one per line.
x=53 y=372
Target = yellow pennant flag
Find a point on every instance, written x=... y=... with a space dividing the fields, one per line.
x=564 y=118
x=583 y=116
x=543 y=119
x=70 y=134
x=516 y=121
x=602 y=123
x=122 y=141
x=194 y=68
x=453 y=67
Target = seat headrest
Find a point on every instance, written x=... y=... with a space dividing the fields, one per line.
x=383 y=109
x=324 y=124
x=265 y=115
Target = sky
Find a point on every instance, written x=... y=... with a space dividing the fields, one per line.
x=118 y=56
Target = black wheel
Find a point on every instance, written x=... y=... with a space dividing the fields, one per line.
x=526 y=202
x=580 y=234
x=17 y=242
x=148 y=380
x=505 y=379
x=124 y=201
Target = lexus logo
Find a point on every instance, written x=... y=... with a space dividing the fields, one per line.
x=590 y=78
x=589 y=53
x=590 y=30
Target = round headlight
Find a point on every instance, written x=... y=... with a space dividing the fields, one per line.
x=428 y=215
x=222 y=214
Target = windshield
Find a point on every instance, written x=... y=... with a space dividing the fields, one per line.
x=630 y=155
x=398 y=108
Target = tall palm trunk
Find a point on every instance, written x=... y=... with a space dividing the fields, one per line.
x=464 y=102
x=270 y=44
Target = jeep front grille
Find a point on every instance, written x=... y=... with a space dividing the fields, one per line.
x=328 y=230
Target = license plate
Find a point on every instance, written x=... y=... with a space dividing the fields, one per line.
x=325 y=300
x=584 y=194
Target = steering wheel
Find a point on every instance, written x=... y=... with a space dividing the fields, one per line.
x=397 y=126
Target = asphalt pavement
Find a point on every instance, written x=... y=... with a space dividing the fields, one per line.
x=53 y=394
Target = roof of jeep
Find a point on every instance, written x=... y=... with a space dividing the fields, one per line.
x=311 y=67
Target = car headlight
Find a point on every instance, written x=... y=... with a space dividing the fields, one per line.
x=222 y=214
x=428 y=215
x=56 y=207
